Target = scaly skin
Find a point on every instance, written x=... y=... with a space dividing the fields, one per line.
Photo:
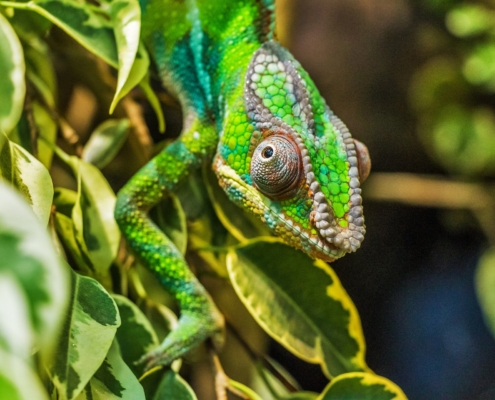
x=278 y=151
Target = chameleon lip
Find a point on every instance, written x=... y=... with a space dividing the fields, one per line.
x=349 y=238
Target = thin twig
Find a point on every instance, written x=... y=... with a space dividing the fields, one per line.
x=432 y=191
x=260 y=358
x=427 y=191
x=222 y=384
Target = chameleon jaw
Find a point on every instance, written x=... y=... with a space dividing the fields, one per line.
x=249 y=198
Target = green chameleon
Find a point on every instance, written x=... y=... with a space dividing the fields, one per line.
x=254 y=114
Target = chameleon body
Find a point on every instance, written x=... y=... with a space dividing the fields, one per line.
x=254 y=114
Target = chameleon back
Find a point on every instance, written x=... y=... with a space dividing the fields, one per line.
x=202 y=47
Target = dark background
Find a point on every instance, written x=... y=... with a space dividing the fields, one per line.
x=413 y=279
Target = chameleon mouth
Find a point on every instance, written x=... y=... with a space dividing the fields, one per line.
x=249 y=198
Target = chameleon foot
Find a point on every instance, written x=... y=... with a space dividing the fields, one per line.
x=192 y=330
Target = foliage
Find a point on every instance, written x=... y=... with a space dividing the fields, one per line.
x=452 y=94
x=77 y=311
x=452 y=91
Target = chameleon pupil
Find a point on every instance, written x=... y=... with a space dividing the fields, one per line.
x=268 y=152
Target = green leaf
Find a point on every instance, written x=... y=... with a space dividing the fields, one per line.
x=40 y=69
x=174 y=387
x=12 y=84
x=300 y=303
x=113 y=380
x=106 y=141
x=301 y=396
x=126 y=18
x=65 y=230
x=89 y=330
x=29 y=177
x=88 y=26
x=154 y=102
x=64 y=201
x=135 y=335
x=47 y=128
x=267 y=384
x=33 y=283
x=248 y=392
x=18 y=381
x=485 y=287
x=362 y=386
x=170 y=217
x=469 y=19
x=92 y=215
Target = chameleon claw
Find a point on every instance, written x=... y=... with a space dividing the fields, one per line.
x=191 y=331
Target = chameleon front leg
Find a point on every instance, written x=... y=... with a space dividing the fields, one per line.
x=199 y=317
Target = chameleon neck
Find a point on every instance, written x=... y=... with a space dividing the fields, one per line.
x=202 y=49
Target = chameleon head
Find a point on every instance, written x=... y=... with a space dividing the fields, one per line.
x=288 y=159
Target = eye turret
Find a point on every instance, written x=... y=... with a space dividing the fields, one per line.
x=276 y=167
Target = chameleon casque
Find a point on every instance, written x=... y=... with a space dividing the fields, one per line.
x=254 y=114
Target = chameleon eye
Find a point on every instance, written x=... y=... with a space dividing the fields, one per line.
x=276 y=167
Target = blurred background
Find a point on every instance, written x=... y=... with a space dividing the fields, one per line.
x=415 y=81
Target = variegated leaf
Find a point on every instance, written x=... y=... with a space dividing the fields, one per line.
x=113 y=381
x=12 y=84
x=362 y=386
x=29 y=177
x=89 y=330
x=33 y=283
x=300 y=303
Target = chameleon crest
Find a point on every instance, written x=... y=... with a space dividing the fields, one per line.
x=288 y=159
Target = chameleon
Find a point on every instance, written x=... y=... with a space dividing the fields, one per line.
x=253 y=113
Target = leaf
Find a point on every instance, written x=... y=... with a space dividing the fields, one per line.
x=79 y=20
x=362 y=386
x=301 y=396
x=267 y=384
x=18 y=381
x=300 y=303
x=12 y=84
x=29 y=177
x=135 y=335
x=105 y=142
x=64 y=201
x=65 y=230
x=89 y=330
x=485 y=287
x=113 y=380
x=126 y=19
x=40 y=69
x=92 y=215
x=249 y=393
x=174 y=387
x=469 y=19
x=48 y=131
x=154 y=102
x=33 y=283
x=171 y=219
